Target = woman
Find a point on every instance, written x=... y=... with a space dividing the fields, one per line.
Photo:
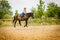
x=23 y=13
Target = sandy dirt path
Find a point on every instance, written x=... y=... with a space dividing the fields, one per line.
x=49 y=32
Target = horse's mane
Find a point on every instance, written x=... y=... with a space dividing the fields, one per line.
x=29 y=12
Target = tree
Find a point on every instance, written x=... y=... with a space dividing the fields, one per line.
x=40 y=8
x=53 y=10
x=35 y=12
x=16 y=12
x=57 y=12
x=5 y=9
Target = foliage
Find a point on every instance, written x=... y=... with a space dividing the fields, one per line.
x=34 y=22
x=5 y=9
x=53 y=10
x=40 y=9
x=35 y=12
x=16 y=12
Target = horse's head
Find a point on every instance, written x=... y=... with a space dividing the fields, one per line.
x=30 y=15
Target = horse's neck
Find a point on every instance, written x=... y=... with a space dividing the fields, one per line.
x=28 y=15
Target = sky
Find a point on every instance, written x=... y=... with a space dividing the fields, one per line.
x=20 y=4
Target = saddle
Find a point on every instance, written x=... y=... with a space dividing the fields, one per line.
x=19 y=16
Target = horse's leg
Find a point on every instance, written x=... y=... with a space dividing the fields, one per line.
x=13 y=20
x=26 y=23
x=15 y=23
x=20 y=22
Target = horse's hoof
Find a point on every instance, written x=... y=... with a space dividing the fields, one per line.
x=14 y=27
x=25 y=26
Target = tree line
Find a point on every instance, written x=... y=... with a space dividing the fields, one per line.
x=5 y=10
x=52 y=10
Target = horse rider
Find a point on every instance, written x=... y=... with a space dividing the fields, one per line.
x=23 y=13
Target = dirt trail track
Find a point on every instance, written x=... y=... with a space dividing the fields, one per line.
x=50 y=32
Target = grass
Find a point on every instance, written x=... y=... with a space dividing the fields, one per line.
x=31 y=22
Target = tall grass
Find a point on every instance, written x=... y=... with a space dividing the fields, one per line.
x=32 y=22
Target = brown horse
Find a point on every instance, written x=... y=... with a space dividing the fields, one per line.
x=25 y=18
